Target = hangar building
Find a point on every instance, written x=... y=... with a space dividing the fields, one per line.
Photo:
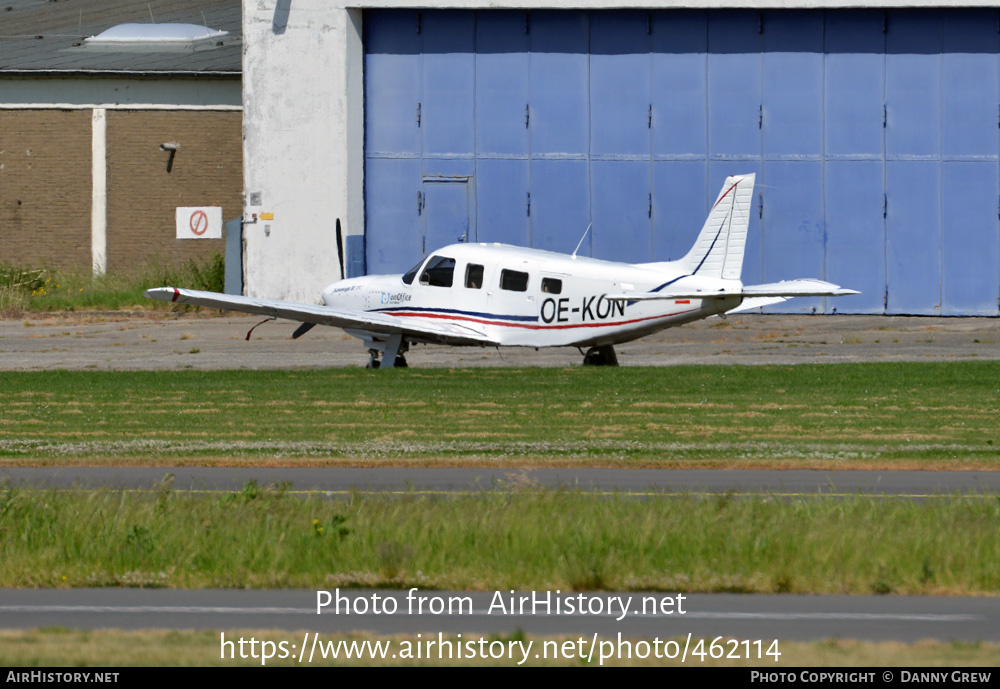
x=874 y=132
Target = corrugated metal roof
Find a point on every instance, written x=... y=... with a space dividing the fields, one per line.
x=48 y=36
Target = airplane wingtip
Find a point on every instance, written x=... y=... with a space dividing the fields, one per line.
x=162 y=293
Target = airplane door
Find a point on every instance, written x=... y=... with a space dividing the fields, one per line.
x=514 y=288
x=445 y=211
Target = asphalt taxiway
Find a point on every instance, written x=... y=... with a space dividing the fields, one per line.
x=116 y=341
x=786 y=617
x=335 y=481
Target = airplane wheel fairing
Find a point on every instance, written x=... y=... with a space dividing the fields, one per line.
x=600 y=356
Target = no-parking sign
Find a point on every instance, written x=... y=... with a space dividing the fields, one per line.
x=199 y=223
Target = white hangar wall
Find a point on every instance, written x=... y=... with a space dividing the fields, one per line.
x=303 y=131
x=305 y=157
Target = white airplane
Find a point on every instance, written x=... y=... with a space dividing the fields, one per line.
x=495 y=294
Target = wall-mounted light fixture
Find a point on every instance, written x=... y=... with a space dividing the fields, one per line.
x=172 y=147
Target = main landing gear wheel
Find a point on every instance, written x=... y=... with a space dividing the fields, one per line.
x=392 y=351
x=373 y=361
x=600 y=356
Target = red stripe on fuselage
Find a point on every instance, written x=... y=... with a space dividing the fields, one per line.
x=450 y=317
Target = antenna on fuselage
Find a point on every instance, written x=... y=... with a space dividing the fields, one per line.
x=581 y=241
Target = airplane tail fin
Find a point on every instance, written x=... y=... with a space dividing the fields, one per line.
x=718 y=254
x=718 y=251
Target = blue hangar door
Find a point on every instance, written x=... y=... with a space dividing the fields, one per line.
x=874 y=136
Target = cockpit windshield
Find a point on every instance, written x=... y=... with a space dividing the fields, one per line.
x=412 y=273
x=440 y=272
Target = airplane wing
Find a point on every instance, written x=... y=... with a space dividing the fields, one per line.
x=784 y=289
x=414 y=328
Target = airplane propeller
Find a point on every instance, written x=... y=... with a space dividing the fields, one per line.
x=340 y=250
x=302 y=330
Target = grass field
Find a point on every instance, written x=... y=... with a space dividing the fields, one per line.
x=24 y=289
x=905 y=415
x=111 y=648
x=929 y=415
x=512 y=539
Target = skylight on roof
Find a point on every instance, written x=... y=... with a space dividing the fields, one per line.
x=174 y=35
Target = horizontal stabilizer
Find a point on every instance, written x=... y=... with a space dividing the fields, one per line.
x=806 y=287
x=785 y=288
x=756 y=302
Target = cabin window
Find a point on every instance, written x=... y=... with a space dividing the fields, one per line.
x=552 y=285
x=439 y=272
x=474 y=276
x=513 y=280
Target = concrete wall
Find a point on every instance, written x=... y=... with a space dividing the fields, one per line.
x=95 y=183
x=304 y=144
x=75 y=195
x=45 y=188
x=207 y=170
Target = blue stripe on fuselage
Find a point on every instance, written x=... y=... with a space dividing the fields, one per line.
x=475 y=314
x=665 y=284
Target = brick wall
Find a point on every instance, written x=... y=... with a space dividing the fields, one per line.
x=142 y=195
x=45 y=188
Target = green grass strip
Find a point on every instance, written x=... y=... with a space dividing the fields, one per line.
x=24 y=289
x=872 y=411
x=506 y=539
